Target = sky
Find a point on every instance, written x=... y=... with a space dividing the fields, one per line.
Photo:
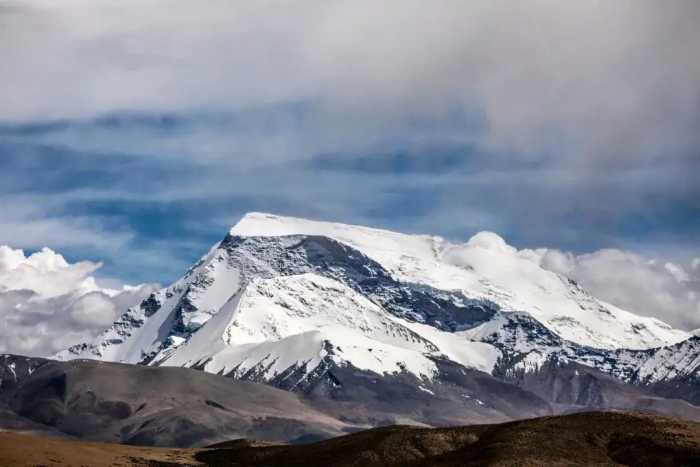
x=133 y=134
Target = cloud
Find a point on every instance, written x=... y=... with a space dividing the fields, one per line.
x=48 y=304
x=644 y=286
x=31 y=219
x=589 y=80
x=587 y=110
x=94 y=310
x=44 y=272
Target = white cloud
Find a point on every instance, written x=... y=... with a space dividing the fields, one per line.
x=94 y=309
x=596 y=80
x=48 y=304
x=677 y=272
x=33 y=220
x=647 y=287
x=604 y=94
x=45 y=273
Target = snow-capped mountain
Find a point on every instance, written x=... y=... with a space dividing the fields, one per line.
x=286 y=301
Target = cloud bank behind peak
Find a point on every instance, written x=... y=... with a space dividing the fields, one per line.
x=47 y=304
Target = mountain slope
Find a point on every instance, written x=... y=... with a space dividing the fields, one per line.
x=137 y=404
x=296 y=304
x=484 y=268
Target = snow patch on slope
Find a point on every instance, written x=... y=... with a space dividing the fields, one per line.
x=141 y=332
x=458 y=347
x=285 y=321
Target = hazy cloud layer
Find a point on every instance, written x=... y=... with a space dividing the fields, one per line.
x=644 y=286
x=592 y=80
x=587 y=109
x=48 y=304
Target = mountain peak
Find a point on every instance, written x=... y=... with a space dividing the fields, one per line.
x=264 y=224
x=293 y=301
x=253 y=220
x=260 y=224
x=485 y=267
